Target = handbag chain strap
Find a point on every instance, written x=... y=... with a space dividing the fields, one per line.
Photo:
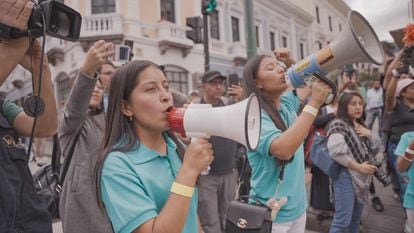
x=280 y=179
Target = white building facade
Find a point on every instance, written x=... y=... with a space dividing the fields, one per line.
x=155 y=30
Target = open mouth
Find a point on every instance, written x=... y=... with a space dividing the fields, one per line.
x=169 y=109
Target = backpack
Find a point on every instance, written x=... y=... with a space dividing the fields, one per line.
x=307 y=145
x=21 y=208
x=320 y=157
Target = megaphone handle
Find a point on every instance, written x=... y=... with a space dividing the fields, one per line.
x=207 y=171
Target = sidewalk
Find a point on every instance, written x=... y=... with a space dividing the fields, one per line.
x=392 y=220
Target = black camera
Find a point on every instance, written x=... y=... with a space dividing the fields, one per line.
x=406 y=60
x=381 y=175
x=60 y=21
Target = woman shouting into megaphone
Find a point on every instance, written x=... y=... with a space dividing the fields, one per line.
x=141 y=181
x=278 y=162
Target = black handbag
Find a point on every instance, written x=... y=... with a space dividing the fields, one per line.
x=248 y=218
x=48 y=180
x=251 y=218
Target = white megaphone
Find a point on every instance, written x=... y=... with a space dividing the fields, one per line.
x=356 y=43
x=240 y=122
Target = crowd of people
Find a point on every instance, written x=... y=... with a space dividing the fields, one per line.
x=131 y=173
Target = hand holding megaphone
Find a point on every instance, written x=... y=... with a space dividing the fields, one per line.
x=198 y=156
x=320 y=92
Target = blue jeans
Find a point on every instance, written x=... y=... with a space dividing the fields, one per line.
x=348 y=209
x=399 y=179
x=373 y=114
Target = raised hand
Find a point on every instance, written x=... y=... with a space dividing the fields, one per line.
x=96 y=56
x=15 y=13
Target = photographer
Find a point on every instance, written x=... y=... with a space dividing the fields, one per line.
x=83 y=115
x=22 y=209
x=398 y=102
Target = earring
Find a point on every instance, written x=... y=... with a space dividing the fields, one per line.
x=131 y=118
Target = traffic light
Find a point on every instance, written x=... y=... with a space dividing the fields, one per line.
x=195 y=34
x=208 y=6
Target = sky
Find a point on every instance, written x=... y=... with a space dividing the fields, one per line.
x=383 y=15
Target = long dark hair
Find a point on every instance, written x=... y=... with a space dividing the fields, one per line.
x=343 y=108
x=119 y=134
x=249 y=86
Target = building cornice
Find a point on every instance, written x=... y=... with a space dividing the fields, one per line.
x=289 y=9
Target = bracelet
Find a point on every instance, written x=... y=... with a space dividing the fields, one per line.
x=409 y=160
x=311 y=110
x=409 y=151
x=182 y=190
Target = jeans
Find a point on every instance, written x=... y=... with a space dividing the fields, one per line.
x=348 y=209
x=399 y=179
x=372 y=114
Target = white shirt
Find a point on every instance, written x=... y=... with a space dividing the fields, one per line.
x=375 y=98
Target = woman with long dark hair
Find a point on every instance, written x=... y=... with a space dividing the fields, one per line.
x=82 y=122
x=353 y=146
x=141 y=181
x=282 y=134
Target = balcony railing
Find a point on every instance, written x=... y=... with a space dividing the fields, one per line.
x=171 y=32
x=101 y=25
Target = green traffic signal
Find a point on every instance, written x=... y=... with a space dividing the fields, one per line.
x=211 y=6
x=208 y=6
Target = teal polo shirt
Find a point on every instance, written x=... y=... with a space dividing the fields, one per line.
x=405 y=141
x=265 y=170
x=136 y=185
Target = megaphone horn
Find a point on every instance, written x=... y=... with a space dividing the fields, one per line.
x=240 y=122
x=356 y=43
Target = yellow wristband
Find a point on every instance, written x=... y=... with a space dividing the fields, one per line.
x=311 y=110
x=182 y=190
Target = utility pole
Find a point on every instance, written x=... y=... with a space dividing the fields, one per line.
x=250 y=29
x=205 y=43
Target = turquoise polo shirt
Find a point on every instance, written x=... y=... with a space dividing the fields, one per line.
x=265 y=170
x=136 y=185
x=405 y=141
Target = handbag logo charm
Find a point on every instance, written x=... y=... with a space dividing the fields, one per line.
x=242 y=223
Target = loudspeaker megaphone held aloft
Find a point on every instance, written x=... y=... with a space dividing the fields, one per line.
x=240 y=122
x=356 y=43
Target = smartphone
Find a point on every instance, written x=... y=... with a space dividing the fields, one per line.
x=233 y=79
x=121 y=53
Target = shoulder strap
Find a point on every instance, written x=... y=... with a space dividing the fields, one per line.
x=68 y=159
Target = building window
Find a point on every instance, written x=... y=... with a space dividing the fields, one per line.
x=301 y=50
x=272 y=41
x=214 y=25
x=317 y=15
x=257 y=36
x=103 y=6
x=319 y=45
x=235 y=29
x=168 y=10
x=340 y=27
x=177 y=78
x=284 y=42
x=330 y=23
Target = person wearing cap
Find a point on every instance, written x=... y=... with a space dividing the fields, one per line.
x=217 y=188
x=399 y=102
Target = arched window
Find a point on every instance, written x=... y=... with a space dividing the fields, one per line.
x=177 y=78
x=103 y=6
